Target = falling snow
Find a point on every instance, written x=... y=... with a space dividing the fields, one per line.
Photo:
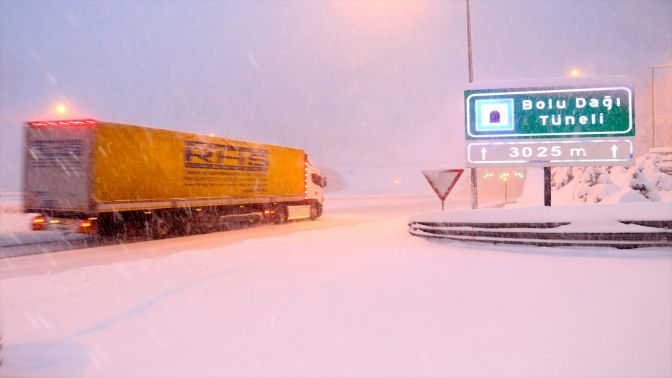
x=373 y=91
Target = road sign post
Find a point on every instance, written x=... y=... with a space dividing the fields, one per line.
x=547 y=186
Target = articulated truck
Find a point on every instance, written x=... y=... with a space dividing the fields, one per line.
x=109 y=178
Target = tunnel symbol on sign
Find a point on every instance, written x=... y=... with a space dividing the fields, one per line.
x=494 y=116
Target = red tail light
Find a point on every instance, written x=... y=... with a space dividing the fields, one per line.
x=69 y=123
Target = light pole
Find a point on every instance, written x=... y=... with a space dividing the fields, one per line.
x=653 y=98
x=474 y=178
x=471 y=68
x=505 y=177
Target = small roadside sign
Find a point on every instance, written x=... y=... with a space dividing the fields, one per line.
x=550 y=152
x=442 y=181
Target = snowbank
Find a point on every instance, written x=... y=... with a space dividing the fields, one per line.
x=622 y=195
x=642 y=182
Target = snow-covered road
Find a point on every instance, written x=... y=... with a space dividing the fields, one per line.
x=352 y=294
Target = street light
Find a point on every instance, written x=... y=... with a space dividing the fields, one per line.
x=470 y=66
x=60 y=109
x=575 y=72
x=504 y=176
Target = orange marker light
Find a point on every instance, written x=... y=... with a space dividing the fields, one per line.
x=39 y=223
x=86 y=227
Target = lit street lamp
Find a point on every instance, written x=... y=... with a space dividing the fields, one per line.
x=504 y=177
x=60 y=109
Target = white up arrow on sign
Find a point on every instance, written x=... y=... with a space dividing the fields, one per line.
x=443 y=181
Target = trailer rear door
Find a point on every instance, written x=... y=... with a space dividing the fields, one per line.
x=57 y=165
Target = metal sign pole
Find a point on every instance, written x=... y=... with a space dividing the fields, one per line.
x=547 y=186
x=474 y=189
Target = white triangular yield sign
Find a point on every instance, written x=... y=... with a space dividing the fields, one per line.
x=442 y=180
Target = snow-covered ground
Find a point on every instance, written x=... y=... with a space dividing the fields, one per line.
x=11 y=218
x=352 y=294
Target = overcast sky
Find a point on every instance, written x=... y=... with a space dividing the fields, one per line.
x=353 y=83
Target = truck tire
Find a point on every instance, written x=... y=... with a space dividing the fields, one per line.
x=159 y=227
x=208 y=223
x=184 y=226
x=281 y=215
x=315 y=210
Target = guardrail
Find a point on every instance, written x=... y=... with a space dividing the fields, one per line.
x=546 y=234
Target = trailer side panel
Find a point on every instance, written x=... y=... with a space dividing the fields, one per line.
x=142 y=168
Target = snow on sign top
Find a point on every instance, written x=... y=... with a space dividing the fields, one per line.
x=443 y=180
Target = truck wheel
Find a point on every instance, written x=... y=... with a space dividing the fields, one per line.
x=185 y=227
x=160 y=228
x=281 y=215
x=208 y=223
x=315 y=210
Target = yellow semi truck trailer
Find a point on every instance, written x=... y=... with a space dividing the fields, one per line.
x=113 y=178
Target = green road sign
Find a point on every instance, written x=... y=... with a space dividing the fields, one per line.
x=532 y=113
